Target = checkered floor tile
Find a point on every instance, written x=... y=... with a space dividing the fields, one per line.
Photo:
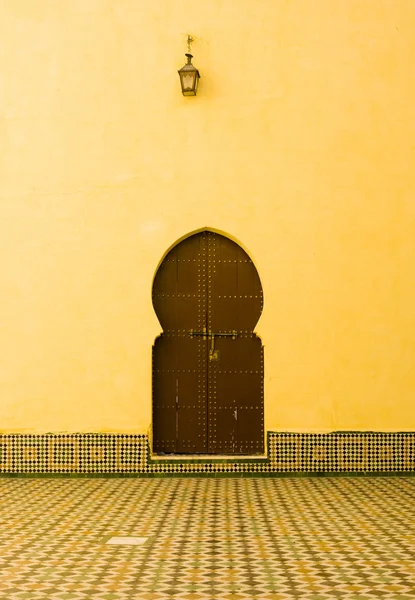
x=229 y=539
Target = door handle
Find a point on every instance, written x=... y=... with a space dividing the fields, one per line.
x=213 y=354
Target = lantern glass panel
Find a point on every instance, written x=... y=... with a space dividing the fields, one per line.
x=188 y=81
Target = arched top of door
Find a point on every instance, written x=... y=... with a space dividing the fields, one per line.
x=206 y=279
x=202 y=230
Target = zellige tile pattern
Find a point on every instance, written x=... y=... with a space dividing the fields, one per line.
x=99 y=453
x=208 y=538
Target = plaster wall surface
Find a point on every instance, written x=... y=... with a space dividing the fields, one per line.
x=299 y=145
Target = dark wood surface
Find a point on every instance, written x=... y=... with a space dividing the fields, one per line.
x=208 y=362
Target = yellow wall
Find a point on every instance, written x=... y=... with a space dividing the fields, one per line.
x=300 y=145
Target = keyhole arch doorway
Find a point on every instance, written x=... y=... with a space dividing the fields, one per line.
x=208 y=367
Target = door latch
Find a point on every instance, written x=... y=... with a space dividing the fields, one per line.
x=214 y=354
x=203 y=333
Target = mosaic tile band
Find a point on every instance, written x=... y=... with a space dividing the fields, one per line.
x=95 y=453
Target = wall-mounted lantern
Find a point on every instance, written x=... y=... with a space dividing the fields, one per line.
x=189 y=75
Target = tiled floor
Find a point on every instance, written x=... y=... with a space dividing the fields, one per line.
x=308 y=538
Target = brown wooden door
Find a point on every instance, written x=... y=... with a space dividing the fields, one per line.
x=207 y=363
